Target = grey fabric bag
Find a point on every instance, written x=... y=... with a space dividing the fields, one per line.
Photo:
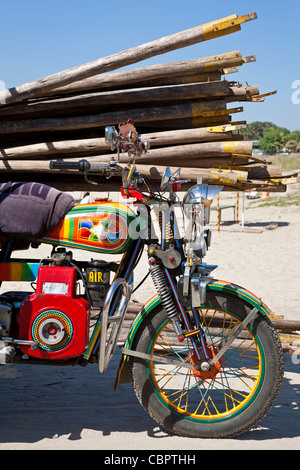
x=31 y=210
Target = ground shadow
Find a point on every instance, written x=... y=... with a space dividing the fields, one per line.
x=41 y=402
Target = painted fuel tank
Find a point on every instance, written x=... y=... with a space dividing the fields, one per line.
x=103 y=227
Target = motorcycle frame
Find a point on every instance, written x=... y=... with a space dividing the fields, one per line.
x=125 y=272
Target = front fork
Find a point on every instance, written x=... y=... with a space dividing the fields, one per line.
x=165 y=286
x=176 y=313
x=192 y=332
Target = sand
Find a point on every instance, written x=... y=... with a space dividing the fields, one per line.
x=75 y=408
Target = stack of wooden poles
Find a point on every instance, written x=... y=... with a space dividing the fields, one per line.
x=288 y=330
x=184 y=109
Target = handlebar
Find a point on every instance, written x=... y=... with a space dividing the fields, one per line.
x=127 y=174
x=107 y=169
x=86 y=167
x=82 y=165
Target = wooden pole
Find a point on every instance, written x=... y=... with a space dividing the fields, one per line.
x=130 y=56
x=187 y=71
x=218 y=212
x=140 y=115
x=95 y=146
x=114 y=100
x=243 y=210
x=154 y=172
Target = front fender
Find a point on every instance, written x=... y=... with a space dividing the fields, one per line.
x=214 y=285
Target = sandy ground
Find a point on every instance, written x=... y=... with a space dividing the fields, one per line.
x=76 y=408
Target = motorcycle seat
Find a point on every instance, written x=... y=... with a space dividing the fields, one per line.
x=31 y=210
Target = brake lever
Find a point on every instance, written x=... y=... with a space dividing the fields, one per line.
x=89 y=181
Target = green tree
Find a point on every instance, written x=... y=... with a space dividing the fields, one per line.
x=295 y=135
x=256 y=130
x=274 y=140
x=292 y=145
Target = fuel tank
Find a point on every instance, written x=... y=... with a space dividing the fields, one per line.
x=102 y=227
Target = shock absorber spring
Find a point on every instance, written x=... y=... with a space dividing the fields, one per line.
x=161 y=284
x=168 y=235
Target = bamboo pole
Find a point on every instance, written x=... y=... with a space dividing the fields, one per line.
x=179 y=40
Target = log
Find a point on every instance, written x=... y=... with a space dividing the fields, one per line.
x=191 y=151
x=185 y=123
x=114 y=100
x=190 y=71
x=264 y=171
x=94 y=146
x=204 y=134
x=286 y=325
x=225 y=176
x=281 y=324
x=24 y=138
x=139 y=115
x=76 y=182
x=42 y=166
x=205 y=162
x=130 y=56
x=154 y=172
x=211 y=118
x=214 y=76
x=257 y=185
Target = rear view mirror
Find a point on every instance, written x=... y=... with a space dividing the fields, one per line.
x=165 y=179
x=111 y=137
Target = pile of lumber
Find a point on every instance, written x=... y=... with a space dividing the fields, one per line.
x=184 y=109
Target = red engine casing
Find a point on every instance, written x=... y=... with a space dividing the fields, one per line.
x=58 y=321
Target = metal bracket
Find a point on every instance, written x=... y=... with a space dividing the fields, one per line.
x=235 y=332
x=152 y=357
x=21 y=342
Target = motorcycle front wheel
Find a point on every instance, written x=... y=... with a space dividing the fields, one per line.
x=223 y=402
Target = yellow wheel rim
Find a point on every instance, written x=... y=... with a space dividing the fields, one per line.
x=220 y=394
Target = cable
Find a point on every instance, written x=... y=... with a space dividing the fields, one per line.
x=142 y=281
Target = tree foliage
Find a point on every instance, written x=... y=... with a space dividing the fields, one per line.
x=274 y=140
x=256 y=130
x=271 y=138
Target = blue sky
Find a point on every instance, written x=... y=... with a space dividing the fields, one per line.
x=41 y=37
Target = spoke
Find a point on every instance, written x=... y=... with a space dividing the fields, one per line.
x=194 y=393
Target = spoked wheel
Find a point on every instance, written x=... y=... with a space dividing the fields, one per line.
x=224 y=401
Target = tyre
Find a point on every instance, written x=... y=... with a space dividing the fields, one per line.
x=224 y=401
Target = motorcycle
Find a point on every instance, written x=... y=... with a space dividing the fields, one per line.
x=203 y=356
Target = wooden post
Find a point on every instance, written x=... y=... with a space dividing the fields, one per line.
x=243 y=210
x=179 y=40
x=120 y=99
x=187 y=71
x=203 y=109
x=218 y=212
x=95 y=146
